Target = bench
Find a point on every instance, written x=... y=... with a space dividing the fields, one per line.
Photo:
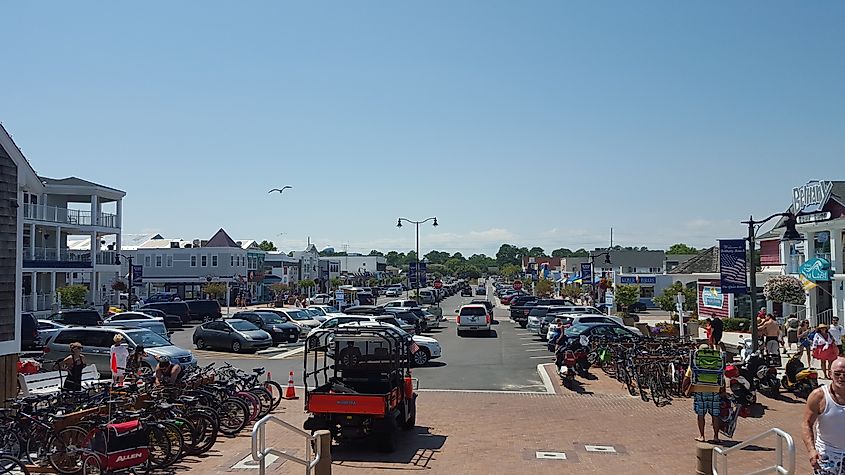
x=51 y=382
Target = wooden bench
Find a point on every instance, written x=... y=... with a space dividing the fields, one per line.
x=51 y=382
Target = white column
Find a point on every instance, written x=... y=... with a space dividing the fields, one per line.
x=32 y=241
x=95 y=246
x=95 y=211
x=809 y=253
x=33 y=291
x=836 y=266
x=119 y=219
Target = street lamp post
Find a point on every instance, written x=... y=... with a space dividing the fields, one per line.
x=592 y=268
x=417 y=224
x=791 y=234
x=131 y=273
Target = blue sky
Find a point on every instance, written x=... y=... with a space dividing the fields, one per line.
x=535 y=123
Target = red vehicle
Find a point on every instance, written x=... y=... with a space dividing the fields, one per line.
x=358 y=383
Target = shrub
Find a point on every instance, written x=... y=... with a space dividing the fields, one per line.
x=73 y=295
x=784 y=289
x=737 y=324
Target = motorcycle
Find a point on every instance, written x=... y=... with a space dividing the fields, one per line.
x=761 y=371
x=799 y=379
x=741 y=388
x=573 y=359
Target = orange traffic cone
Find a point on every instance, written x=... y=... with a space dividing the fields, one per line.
x=290 y=391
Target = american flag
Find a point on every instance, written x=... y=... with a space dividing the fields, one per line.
x=414 y=347
x=732 y=262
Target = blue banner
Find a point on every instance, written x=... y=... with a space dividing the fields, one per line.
x=422 y=271
x=137 y=275
x=733 y=266
x=412 y=274
x=648 y=280
x=586 y=272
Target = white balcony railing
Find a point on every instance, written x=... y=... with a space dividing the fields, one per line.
x=72 y=217
x=46 y=254
x=39 y=303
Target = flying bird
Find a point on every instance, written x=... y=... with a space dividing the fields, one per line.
x=279 y=190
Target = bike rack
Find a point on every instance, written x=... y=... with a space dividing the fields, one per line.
x=779 y=467
x=260 y=451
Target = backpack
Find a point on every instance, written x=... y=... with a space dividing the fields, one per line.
x=708 y=367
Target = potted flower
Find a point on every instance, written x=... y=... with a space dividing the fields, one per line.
x=784 y=289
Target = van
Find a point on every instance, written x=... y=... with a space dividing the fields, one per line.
x=204 y=309
x=174 y=308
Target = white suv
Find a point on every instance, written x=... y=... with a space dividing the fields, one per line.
x=475 y=318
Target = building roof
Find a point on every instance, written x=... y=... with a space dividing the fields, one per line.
x=74 y=181
x=837 y=192
x=221 y=239
x=705 y=262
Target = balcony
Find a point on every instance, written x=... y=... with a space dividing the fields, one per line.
x=40 y=303
x=58 y=258
x=71 y=217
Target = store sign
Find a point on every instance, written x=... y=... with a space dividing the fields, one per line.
x=813 y=218
x=628 y=279
x=811 y=197
x=816 y=269
x=712 y=297
x=648 y=280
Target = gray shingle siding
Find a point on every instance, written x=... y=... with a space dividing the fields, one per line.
x=8 y=245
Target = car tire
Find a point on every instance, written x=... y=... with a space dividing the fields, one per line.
x=200 y=344
x=460 y=333
x=421 y=357
x=236 y=346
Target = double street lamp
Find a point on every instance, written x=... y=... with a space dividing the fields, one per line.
x=593 y=257
x=131 y=274
x=791 y=234
x=417 y=224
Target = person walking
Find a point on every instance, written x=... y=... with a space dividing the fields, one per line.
x=708 y=331
x=805 y=339
x=119 y=354
x=823 y=428
x=717 y=329
x=792 y=324
x=824 y=349
x=769 y=330
x=836 y=332
x=297 y=303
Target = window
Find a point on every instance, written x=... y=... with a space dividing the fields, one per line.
x=219 y=326
x=646 y=292
x=233 y=260
x=158 y=261
x=147 y=261
x=193 y=261
x=214 y=260
x=169 y=261
x=204 y=260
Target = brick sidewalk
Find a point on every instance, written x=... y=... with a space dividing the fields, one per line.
x=478 y=432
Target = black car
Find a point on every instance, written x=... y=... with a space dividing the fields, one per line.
x=173 y=308
x=466 y=292
x=88 y=318
x=364 y=310
x=409 y=317
x=279 y=328
x=204 y=309
x=487 y=304
x=170 y=320
x=29 y=332
x=606 y=330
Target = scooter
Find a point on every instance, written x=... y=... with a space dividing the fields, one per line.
x=760 y=371
x=799 y=379
x=741 y=388
x=574 y=361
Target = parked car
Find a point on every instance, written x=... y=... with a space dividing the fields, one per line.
x=431 y=347
x=233 y=334
x=162 y=297
x=393 y=292
x=170 y=320
x=428 y=297
x=466 y=292
x=409 y=321
x=280 y=329
x=601 y=329
x=138 y=320
x=637 y=307
x=88 y=318
x=29 y=332
x=321 y=299
x=327 y=310
x=316 y=314
x=97 y=342
x=173 y=308
x=305 y=320
x=48 y=329
x=474 y=318
x=204 y=309
x=480 y=290
x=400 y=303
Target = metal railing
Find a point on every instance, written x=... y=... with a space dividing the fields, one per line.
x=53 y=254
x=260 y=450
x=39 y=303
x=721 y=454
x=73 y=217
x=823 y=317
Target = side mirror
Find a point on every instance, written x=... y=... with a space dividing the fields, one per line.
x=457 y=310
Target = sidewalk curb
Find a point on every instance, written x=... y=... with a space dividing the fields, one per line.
x=544 y=376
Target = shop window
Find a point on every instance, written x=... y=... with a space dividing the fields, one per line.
x=646 y=292
x=147 y=261
x=169 y=261
x=158 y=261
x=204 y=260
x=214 y=260
x=232 y=260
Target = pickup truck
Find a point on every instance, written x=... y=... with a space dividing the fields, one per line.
x=519 y=313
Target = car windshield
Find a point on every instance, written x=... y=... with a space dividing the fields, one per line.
x=268 y=317
x=243 y=326
x=147 y=339
x=576 y=330
x=299 y=315
x=331 y=310
x=318 y=312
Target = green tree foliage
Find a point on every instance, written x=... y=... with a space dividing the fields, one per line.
x=508 y=254
x=537 y=252
x=626 y=295
x=375 y=253
x=544 y=288
x=570 y=291
x=215 y=290
x=562 y=252
x=666 y=300
x=73 y=295
x=458 y=255
x=267 y=246
x=336 y=282
x=437 y=257
x=681 y=248
x=581 y=252
x=395 y=259
x=510 y=270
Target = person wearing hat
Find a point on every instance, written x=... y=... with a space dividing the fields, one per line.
x=119 y=353
x=74 y=364
x=166 y=372
x=824 y=348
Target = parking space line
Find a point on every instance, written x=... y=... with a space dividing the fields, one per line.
x=536 y=349
x=534 y=343
x=288 y=353
x=545 y=357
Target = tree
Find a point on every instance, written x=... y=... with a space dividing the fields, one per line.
x=437 y=257
x=510 y=270
x=544 y=288
x=666 y=301
x=306 y=284
x=627 y=295
x=452 y=265
x=536 y=252
x=458 y=255
x=681 y=248
x=215 y=290
x=280 y=288
x=507 y=254
x=73 y=295
x=580 y=253
x=119 y=286
x=267 y=246
x=395 y=259
x=336 y=282
x=570 y=291
x=562 y=252
x=376 y=253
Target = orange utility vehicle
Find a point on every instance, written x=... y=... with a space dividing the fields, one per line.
x=358 y=383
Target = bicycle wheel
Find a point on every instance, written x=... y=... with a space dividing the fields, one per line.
x=252 y=402
x=188 y=431
x=10 y=444
x=234 y=416
x=265 y=399
x=205 y=432
x=275 y=389
x=64 y=449
x=91 y=465
x=36 y=444
x=174 y=437
x=12 y=466
x=159 y=446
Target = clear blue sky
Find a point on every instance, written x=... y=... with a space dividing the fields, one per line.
x=535 y=123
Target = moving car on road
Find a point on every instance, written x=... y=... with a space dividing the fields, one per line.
x=233 y=334
x=474 y=318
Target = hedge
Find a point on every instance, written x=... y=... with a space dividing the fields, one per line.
x=731 y=324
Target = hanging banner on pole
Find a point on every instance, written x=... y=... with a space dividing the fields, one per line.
x=586 y=273
x=733 y=266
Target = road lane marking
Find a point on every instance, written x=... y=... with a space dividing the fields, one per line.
x=288 y=353
x=542 y=357
x=536 y=349
x=534 y=343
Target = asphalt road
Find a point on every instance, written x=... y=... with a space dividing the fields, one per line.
x=506 y=361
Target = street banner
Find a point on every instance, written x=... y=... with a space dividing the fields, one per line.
x=137 y=275
x=733 y=266
x=422 y=274
x=412 y=274
x=806 y=283
x=586 y=273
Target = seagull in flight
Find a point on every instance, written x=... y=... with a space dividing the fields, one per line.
x=279 y=190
